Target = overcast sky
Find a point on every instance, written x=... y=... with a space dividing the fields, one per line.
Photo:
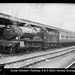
x=53 y=14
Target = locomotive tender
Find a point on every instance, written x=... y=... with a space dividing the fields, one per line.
x=14 y=37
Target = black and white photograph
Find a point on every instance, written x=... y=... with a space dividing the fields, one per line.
x=37 y=37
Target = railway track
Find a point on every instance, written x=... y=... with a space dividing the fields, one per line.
x=32 y=65
x=62 y=61
x=26 y=62
x=6 y=58
x=31 y=51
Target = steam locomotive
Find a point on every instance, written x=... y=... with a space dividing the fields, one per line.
x=14 y=38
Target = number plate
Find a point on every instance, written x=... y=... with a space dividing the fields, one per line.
x=22 y=44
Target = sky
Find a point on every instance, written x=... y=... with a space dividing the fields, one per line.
x=61 y=15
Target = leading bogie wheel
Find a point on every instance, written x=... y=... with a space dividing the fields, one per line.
x=12 y=50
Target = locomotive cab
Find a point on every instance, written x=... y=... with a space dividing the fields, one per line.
x=52 y=36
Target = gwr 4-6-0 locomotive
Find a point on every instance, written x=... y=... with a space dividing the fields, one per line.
x=17 y=37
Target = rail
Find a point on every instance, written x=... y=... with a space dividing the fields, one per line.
x=36 y=59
